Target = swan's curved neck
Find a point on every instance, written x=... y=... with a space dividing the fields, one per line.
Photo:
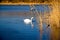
x=31 y=21
x=31 y=18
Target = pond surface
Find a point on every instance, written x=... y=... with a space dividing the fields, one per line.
x=14 y=28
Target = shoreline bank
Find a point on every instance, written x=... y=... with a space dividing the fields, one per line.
x=24 y=3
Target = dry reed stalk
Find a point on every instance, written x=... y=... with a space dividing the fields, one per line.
x=54 y=20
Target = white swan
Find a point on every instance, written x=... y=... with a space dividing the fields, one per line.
x=28 y=21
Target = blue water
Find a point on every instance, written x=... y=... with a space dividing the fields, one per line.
x=13 y=27
x=24 y=8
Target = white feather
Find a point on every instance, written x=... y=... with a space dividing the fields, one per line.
x=28 y=21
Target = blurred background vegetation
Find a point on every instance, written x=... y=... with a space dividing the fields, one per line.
x=27 y=1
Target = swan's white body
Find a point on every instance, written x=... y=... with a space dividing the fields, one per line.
x=28 y=21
